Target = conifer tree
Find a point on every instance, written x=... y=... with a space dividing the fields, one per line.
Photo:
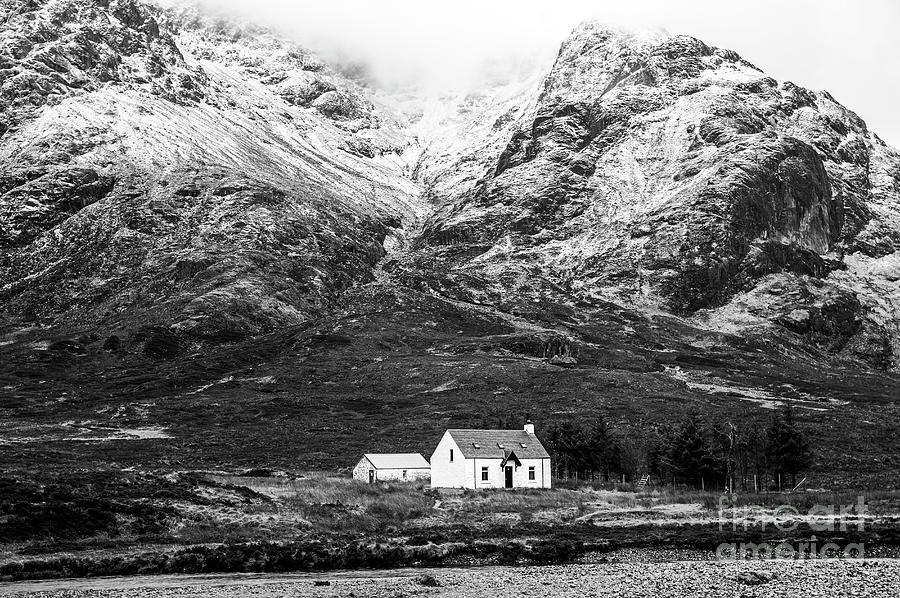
x=603 y=449
x=691 y=454
x=787 y=447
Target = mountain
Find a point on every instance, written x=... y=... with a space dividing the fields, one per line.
x=656 y=171
x=141 y=179
x=210 y=232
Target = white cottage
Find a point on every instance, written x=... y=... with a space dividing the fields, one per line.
x=391 y=466
x=490 y=459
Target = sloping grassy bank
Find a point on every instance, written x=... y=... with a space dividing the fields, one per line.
x=130 y=523
x=528 y=545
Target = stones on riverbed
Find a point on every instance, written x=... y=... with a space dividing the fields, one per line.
x=427 y=581
x=754 y=578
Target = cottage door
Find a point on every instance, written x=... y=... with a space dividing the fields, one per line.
x=509 y=471
x=371 y=476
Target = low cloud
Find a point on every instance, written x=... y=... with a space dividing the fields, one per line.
x=848 y=49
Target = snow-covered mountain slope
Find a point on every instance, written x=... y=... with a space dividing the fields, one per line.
x=182 y=177
x=217 y=181
x=658 y=172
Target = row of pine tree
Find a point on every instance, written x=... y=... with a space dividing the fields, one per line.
x=696 y=452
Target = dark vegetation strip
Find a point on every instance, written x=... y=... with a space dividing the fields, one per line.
x=67 y=508
x=443 y=548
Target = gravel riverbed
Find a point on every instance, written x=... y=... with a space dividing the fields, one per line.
x=871 y=578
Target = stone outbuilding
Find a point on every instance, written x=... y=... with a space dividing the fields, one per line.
x=377 y=467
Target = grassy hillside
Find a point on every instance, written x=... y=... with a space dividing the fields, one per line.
x=393 y=368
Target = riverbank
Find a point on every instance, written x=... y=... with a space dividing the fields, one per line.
x=213 y=523
x=823 y=577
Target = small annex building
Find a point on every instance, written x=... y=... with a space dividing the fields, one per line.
x=375 y=467
x=490 y=459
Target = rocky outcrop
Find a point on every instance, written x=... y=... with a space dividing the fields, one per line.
x=49 y=50
x=304 y=93
x=33 y=206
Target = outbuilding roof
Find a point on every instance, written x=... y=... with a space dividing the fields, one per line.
x=497 y=444
x=397 y=460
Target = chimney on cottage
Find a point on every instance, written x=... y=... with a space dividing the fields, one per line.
x=529 y=426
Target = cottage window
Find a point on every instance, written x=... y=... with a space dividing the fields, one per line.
x=531 y=473
x=484 y=474
x=451 y=455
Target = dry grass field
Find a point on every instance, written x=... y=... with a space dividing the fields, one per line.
x=214 y=522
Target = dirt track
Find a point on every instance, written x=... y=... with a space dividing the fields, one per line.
x=871 y=578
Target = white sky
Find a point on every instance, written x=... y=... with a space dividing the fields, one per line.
x=849 y=47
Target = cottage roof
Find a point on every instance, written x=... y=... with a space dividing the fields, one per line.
x=397 y=460
x=496 y=444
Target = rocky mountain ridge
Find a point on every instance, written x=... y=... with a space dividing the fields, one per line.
x=160 y=184
x=659 y=171
x=647 y=169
